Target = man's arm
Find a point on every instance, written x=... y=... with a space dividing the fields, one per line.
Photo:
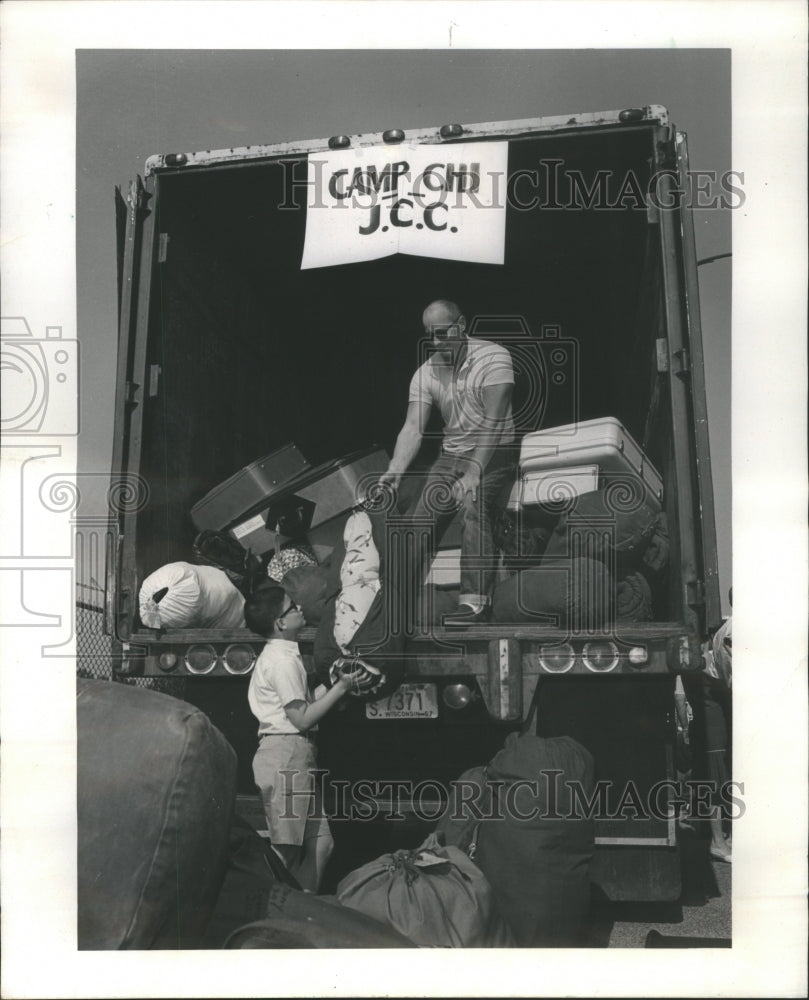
x=408 y=442
x=496 y=400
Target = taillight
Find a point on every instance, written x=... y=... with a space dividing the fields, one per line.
x=600 y=657
x=238 y=658
x=200 y=659
x=456 y=695
x=167 y=661
x=557 y=659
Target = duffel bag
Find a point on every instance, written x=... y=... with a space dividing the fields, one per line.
x=253 y=869
x=435 y=896
x=156 y=788
x=522 y=824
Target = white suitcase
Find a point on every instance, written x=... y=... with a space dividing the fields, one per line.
x=567 y=461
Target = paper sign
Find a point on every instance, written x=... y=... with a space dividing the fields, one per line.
x=444 y=201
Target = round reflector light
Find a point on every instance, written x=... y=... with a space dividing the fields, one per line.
x=200 y=659
x=456 y=696
x=600 y=657
x=557 y=659
x=238 y=658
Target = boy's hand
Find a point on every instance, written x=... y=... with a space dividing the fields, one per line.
x=359 y=676
x=355 y=681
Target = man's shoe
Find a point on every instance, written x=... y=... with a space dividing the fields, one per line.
x=465 y=616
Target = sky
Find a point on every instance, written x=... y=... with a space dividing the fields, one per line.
x=135 y=103
x=91 y=89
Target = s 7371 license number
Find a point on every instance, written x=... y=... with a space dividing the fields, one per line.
x=408 y=701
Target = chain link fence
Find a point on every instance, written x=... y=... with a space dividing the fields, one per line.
x=95 y=652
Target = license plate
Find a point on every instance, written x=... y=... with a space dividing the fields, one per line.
x=408 y=701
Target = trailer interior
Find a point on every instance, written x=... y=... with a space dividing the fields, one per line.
x=247 y=352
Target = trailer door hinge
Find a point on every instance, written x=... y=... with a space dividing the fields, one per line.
x=683 y=362
x=662 y=346
x=163 y=248
x=695 y=593
x=130 y=391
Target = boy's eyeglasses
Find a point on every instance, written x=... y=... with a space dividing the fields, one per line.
x=290 y=607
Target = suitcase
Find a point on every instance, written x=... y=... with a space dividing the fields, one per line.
x=579 y=458
x=248 y=487
x=326 y=493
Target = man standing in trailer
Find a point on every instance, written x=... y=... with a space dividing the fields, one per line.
x=470 y=382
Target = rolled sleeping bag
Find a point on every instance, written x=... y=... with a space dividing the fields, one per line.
x=604 y=522
x=181 y=595
x=634 y=598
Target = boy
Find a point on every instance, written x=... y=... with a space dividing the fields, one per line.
x=279 y=698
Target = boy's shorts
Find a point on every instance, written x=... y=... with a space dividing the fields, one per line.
x=292 y=804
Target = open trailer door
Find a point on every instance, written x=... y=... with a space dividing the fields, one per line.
x=136 y=233
x=707 y=523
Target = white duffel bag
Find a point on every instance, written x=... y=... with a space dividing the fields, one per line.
x=195 y=597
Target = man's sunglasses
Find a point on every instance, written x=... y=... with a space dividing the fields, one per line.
x=442 y=332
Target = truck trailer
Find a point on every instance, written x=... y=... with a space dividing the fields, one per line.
x=244 y=331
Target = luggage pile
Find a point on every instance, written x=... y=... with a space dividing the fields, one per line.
x=507 y=866
x=583 y=539
x=275 y=519
x=609 y=539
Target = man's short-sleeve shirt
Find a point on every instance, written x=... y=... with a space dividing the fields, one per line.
x=458 y=395
x=278 y=678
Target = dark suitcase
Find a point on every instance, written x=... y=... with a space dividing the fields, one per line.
x=249 y=486
x=325 y=495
